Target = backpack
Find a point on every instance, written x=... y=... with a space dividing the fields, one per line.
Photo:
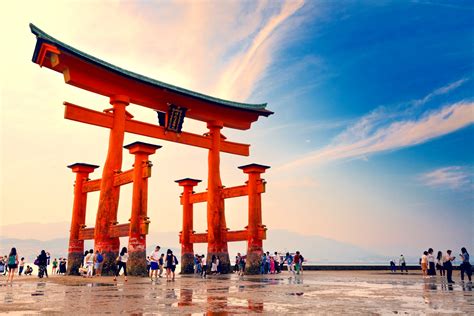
x=12 y=260
x=100 y=258
x=175 y=260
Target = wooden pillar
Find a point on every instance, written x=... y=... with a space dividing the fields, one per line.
x=187 y=250
x=109 y=194
x=139 y=219
x=255 y=228
x=76 y=246
x=216 y=224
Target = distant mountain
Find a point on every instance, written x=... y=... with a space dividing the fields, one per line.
x=30 y=238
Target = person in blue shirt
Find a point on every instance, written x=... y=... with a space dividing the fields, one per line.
x=289 y=262
x=264 y=263
x=465 y=265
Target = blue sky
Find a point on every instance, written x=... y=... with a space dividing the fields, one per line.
x=372 y=137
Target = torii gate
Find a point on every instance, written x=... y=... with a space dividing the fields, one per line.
x=172 y=105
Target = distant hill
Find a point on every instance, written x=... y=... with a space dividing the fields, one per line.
x=30 y=238
x=314 y=248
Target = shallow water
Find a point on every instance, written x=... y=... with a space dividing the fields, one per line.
x=324 y=292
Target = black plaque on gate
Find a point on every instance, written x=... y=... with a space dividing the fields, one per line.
x=176 y=116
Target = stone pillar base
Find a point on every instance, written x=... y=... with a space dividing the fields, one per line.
x=74 y=261
x=136 y=264
x=254 y=262
x=224 y=261
x=187 y=263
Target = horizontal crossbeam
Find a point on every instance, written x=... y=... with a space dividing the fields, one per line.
x=237 y=235
x=119 y=179
x=118 y=230
x=227 y=193
x=84 y=115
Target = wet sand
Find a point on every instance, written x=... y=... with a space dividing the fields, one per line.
x=314 y=292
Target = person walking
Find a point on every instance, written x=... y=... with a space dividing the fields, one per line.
x=154 y=266
x=431 y=263
x=21 y=265
x=448 y=266
x=466 y=267
x=393 y=267
x=440 y=264
x=42 y=264
x=277 y=262
x=264 y=263
x=12 y=264
x=402 y=263
x=122 y=263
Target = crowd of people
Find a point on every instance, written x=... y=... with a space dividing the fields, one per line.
x=158 y=262
x=444 y=264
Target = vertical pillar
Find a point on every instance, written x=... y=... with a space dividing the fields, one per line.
x=76 y=246
x=187 y=250
x=109 y=194
x=139 y=219
x=216 y=224
x=255 y=228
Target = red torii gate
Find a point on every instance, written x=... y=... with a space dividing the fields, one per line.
x=172 y=103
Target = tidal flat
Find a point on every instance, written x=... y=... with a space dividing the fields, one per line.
x=313 y=292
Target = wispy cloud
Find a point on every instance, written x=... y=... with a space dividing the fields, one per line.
x=382 y=130
x=453 y=177
x=440 y=91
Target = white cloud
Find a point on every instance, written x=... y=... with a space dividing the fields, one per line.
x=368 y=137
x=453 y=177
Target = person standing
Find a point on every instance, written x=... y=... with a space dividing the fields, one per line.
x=424 y=263
x=465 y=265
x=169 y=264
x=277 y=262
x=296 y=260
x=289 y=262
x=440 y=263
x=393 y=267
x=213 y=265
x=99 y=262
x=21 y=265
x=55 y=266
x=12 y=264
x=161 y=264
x=431 y=263
x=264 y=263
x=154 y=266
x=204 y=266
x=448 y=266
x=122 y=263
x=402 y=263
x=42 y=264
x=90 y=263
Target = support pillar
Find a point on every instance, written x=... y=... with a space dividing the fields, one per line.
x=216 y=224
x=255 y=227
x=109 y=194
x=187 y=250
x=76 y=246
x=139 y=219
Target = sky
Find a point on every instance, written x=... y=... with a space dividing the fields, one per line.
x=371 y=141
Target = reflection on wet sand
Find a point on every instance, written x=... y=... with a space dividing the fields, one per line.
x=324 y=292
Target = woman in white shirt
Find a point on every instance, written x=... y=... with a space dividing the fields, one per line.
x=440 y=263
x=122 y=263
x=90 y=263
